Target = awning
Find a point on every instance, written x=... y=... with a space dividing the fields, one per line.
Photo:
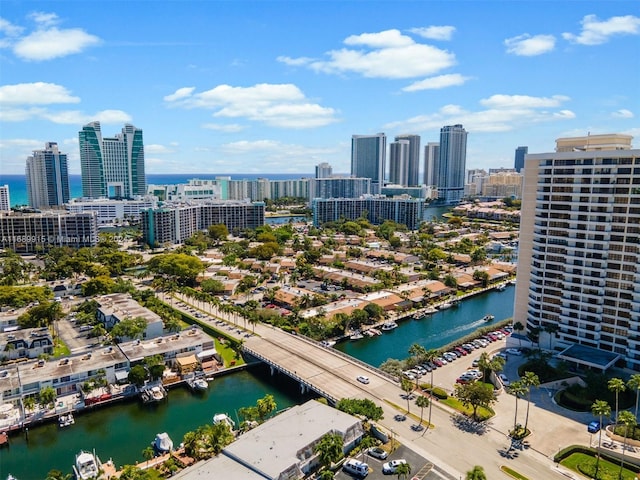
x=122 y=375
x=207 y=353
x=185 y=361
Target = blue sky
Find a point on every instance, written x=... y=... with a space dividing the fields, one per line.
x=278 y=87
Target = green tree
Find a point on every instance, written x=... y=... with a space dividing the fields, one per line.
x=179 y=267
x=407 y=386
x=132 y=328
x=266 y=406
x=58 y=475
x=148 y=453
x=218 y=232
x=138 y=375
x=47 y=396
x=518 y=390
x=627 y=419
x=477 y=473
x=392 y=366
x=363 y=407
x=475 y=395
x=529 y=380
x=100 y=285
x=422 y=402
x=403 y=470
x=329 y=449
x=634 y=384
x=601 y=409
x=616 y=385
x=519 y=328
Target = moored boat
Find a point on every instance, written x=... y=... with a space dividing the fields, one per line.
x=356 y=336
x=501 y=287
x=162 y=443
x=153 y=394
x=66 y=420
x=225 y=419
x=445 y=306
x=197 y=384
x=388 y=326
x=87 y=466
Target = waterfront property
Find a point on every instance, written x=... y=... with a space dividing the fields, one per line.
x=26 y=343
x=116 y=307
x=282 y=447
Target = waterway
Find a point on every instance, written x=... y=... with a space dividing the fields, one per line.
x=435 y=330
x=123 y=430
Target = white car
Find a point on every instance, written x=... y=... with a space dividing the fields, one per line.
x=378 y=452
x=363 y=379
x=505 y=381
x=392 y=466
x=514 y=351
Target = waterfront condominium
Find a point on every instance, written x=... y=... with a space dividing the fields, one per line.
x=406 y=211
x=47 y=177
x=112 y=167
x=5 y=199
x=412 y=165
x=451 y=164
x=578 y=283
x=324 y=170
x=368 y=154
x=431 y=159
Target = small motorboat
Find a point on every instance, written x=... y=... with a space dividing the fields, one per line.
x=162 y=443
x=388 y=326
x=488 y=318
x=87 y=466
x=66 y=420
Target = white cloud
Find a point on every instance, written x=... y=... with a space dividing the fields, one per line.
x=47 y=41
x=596 y=32
x=283 y=105
x=63 y=117
x=38 y=93
x=155 y=149
x=623 y=113
x=523 y=101
x=528 y=46
x=9 y=29
x=435 y=83
x=261 y=155
x=53 y=43
x=229 y=128
x=294 y=62
x=435 y=32
x=503 y=113
x=387 y=54
x=179 y=94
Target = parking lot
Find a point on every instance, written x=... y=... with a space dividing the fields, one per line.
x=420 y=466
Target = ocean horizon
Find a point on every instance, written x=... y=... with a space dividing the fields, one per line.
x=18 y=184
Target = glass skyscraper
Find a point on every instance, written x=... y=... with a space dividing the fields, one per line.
x=412 y=167
x=518 y=162
x=452 y=164
x=368 y=154
x=112 y=167
x=47 y=177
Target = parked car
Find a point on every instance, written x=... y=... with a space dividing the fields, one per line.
x=501 y=354
x=356 y=467
x=378 y=452
x=392 y=466
x=513 y=351
x=465 y=378
x=593 y=427
x=505 y=381
x=475 y=362
x=363 y=379
x=408 y=375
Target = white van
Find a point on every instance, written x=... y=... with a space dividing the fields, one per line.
x=356 y=467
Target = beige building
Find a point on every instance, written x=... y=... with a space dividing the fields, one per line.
x=579 y=250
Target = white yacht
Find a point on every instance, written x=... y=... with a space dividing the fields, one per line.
x=87 y=466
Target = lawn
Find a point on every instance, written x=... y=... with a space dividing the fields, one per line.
x=483 y=413
x=586 y=465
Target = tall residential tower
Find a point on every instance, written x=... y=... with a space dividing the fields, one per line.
x=431 y=161
x=368 y=154
x=47 y=177
x=518 y=161
x=452 y=164
x=413 y=159
x=578 y=269
x=112 y=167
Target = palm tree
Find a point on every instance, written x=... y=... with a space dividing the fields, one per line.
x=517 y=389
x=628 y=420
x=403 y=470
x=634 y=384
x=148 y=453
x=329 y=449
x=519 y=327
x=484 y=363
x=422 y=402
x=529 y=380
x=407 y=386
x=601 y=409
x=476 y=474
x=430 y=356
x=616 y=385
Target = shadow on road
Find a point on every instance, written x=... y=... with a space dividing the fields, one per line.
x=469 y=425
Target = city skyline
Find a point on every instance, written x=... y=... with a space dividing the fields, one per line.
x=268 y=87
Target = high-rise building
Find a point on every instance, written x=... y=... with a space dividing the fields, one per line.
x=112 y=167
x=413 y=159
x=518 y=162
x=324 y=170
x=431 y=161
x=47 y=177
x=368 y=154
x=578 y=277
x=398 y=162
x=5 y=199
x=452 y=164
x=339 y=187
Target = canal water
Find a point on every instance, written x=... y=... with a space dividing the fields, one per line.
x=123 y=430
x=433 y=331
